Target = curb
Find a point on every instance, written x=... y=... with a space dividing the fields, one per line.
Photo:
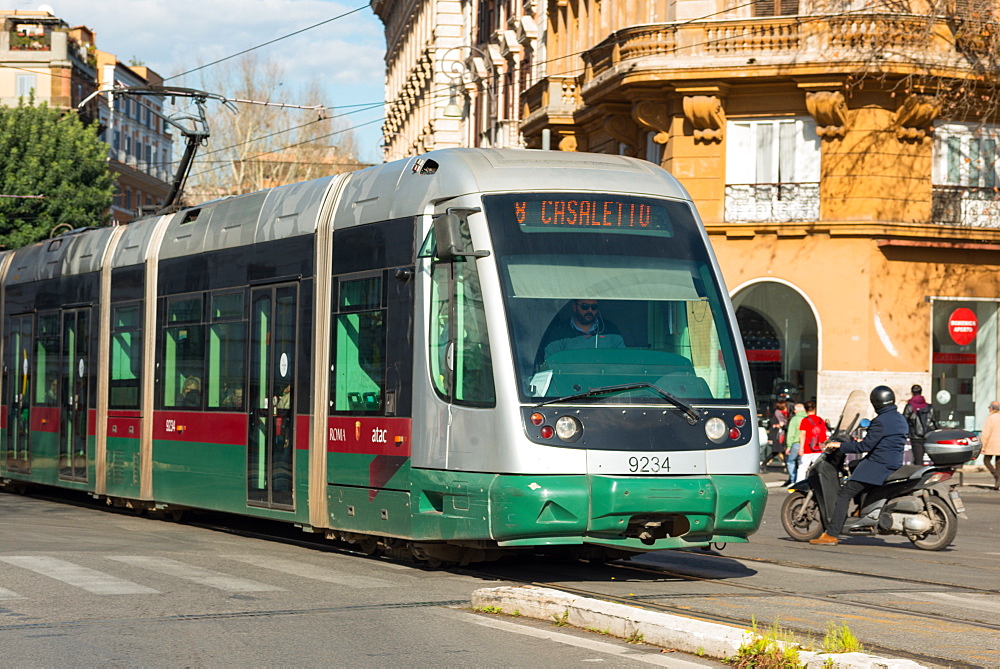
x=659 y=629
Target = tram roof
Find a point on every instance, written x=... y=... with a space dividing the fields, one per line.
x=402 y=188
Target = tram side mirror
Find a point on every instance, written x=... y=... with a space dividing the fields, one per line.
x=449 y=241
x=448 y=236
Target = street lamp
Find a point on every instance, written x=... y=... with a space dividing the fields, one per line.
x=462 y=72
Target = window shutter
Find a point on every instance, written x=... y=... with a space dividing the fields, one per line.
x=739 y=149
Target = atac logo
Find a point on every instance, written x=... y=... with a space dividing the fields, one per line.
x=378 y=435
x=171 y=425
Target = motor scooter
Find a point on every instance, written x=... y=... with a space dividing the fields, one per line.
x=916 y=501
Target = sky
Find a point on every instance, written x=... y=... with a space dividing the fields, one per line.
x=346 y=56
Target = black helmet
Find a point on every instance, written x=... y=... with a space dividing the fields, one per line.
x=882 y=396
x=916 y=390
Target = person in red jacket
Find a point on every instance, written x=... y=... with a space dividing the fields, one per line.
x=814 y=435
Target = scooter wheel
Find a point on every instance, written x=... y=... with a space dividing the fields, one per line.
x=800 y=519
x=945 y=527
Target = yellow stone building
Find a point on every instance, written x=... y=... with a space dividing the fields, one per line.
x=843 y=158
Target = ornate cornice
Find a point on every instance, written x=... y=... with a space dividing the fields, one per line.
x=653 y=115
x=705 y=113
x=621 y=129
x=915 y=116
x=830 y=111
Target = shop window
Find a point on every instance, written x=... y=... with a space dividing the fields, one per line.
x=964 y=365
x=358 y=382
x=126 y=356
x=183 y=354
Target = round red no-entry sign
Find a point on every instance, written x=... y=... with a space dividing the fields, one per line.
x=962 y=326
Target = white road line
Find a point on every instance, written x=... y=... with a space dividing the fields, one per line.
x=206 y=577
x=9 y=594
x=90 y=580
x=313 y=572
x=659 y=659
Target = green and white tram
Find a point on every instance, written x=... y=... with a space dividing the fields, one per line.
x=448 y=356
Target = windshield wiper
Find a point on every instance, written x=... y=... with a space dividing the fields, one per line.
x=689 y=412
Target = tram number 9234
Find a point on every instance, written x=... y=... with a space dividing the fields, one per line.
x=648 y=465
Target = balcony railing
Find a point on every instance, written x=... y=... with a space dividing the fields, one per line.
x=966 y=206
x=777 y=203
x=785 y=40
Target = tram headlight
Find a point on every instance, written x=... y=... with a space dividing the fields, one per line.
x=716 y=429
x=568 y=428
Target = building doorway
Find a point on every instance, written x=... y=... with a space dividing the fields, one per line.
x=781 y=338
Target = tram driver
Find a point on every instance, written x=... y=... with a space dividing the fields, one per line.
x=583 y=329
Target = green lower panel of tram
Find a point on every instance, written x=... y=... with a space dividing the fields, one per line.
x=123 y=470
x=628 y=513
x=215 y=476
x=43 y=462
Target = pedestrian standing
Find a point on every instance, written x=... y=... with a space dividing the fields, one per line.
x=776 y=432
x=991 y=442
x=814 y=435
x=793 y=440
x=919 y=415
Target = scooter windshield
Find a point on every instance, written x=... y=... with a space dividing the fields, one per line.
x=856 y=408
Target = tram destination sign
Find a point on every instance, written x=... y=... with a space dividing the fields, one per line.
x=583 y=214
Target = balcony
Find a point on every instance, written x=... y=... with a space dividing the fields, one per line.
x=789 y=42
x=966 y=206
x=772 y=203
x=21 y=41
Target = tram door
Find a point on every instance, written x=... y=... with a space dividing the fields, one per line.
x=19 y=365
x=270 y=462
x=75 y=395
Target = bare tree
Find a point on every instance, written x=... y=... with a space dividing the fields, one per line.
x=266 y=145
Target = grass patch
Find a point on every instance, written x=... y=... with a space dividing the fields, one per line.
x=772 y=649
x=635 y=637
x=840 y=639
x=488 y=609
x=561 y=620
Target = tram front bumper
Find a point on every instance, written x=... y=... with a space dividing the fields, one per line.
x=627 y=512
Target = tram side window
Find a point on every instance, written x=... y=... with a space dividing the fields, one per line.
x=460 y=358
x=227 y=344
x=47 y=361
x=126 y=356
x=183 y=361
x=359 y=347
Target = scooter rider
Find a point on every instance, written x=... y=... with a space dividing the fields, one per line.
x=884 y=444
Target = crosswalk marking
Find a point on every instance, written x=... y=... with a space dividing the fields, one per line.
x=90 y=580
x=312 y=572
x=206 y=577
x=9 y=594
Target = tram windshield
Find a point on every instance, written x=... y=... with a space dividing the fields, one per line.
x=607 y=291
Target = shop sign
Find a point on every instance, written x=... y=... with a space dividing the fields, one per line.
x=763 y=355
x=962 y=326
x=954 y=359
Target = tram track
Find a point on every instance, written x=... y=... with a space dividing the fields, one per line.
x=647 y=601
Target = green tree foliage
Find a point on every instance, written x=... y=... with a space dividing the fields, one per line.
x=55 y=155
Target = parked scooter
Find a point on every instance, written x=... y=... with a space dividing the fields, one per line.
x=916 y=501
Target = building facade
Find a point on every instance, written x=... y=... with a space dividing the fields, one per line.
x=140 y=146
x=455 y=70
x=843 y=158
x=46 y=60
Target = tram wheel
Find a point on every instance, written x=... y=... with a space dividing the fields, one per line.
x=801 y=520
